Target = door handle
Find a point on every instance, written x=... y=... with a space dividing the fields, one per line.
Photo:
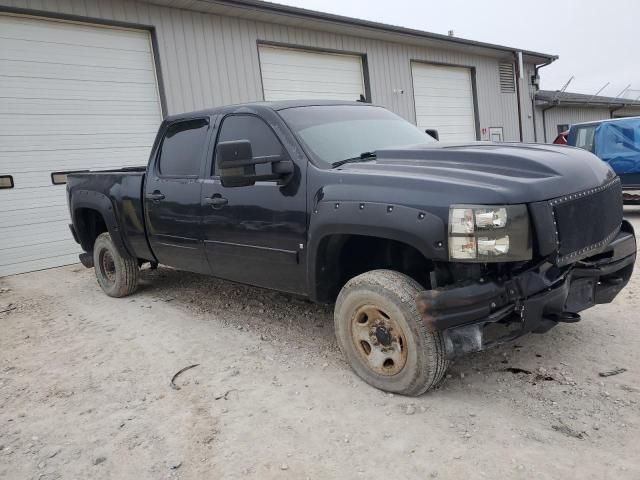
x=156 y=196
x=217 y=201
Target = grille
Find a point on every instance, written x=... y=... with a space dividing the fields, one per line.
x=587 y=221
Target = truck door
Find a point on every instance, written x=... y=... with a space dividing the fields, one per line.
x=172 y=195
x=256 y=234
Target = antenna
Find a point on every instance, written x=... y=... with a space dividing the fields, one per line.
x=598 y=92
x=564 y=87
x=623 y=91
x=567 y=84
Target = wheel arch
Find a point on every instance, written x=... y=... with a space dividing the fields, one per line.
x=334 y=223
x=92 y=214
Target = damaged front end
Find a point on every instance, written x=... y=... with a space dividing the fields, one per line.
x=482 y=313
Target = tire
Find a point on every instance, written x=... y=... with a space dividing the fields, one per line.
x=383 y=337
x=117 y=275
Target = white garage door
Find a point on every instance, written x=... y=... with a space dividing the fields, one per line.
x=72 y=97
x=444 y=101
x=292 y=74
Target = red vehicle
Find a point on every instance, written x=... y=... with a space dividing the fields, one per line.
x=561 y=139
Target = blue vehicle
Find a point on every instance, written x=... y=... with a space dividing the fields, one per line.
x=617 y=142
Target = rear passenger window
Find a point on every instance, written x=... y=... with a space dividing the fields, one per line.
x=584 y=137
x=182 y=148
x=248 y=127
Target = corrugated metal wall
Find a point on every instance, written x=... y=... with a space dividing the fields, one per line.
x=210 y=60
x=569 y=115
x=627 y=112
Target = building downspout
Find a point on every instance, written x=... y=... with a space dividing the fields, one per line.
x=544 y=121
x=533 y=104
x=518 y=60
x=533 y=112
x=615 y=109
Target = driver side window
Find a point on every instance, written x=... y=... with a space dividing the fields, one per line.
x=249 y=127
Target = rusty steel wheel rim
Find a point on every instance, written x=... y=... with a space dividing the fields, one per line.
x=379 y=340
x=108 y=266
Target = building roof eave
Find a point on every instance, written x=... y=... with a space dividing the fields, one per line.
x=548 y=98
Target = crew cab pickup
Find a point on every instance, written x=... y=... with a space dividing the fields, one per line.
x=428 y=250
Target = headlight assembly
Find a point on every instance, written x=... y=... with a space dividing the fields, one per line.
x=488 y=233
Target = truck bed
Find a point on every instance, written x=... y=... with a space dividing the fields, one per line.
x=117 y=195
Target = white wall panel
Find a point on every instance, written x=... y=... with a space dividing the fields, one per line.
x=72 y=97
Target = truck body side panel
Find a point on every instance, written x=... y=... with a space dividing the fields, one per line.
x=259 y=236
x=116 y=196
x=171 y=206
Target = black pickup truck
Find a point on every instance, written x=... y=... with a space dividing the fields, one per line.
x=429 y=250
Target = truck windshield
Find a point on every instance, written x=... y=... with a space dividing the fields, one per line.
x=334 y=133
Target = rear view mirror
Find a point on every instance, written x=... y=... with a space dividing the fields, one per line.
x=233 y=166
x=433 y=133
x=237 y=165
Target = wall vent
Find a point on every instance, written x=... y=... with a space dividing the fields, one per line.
x=507 y=78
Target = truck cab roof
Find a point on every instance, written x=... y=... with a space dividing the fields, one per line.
x=276 y=105
x=606 y=120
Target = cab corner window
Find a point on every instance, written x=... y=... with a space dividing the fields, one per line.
x=249 y=127
x=182 y=148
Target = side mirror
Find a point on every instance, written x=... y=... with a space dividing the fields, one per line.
x=433 y=133
x=237 y=165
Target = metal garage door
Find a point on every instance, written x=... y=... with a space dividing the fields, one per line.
x=444 y=101
x=72 y=97
x=291 y=74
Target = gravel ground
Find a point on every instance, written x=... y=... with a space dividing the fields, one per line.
x=85 y=391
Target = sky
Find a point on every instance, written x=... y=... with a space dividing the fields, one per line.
x=597 y=41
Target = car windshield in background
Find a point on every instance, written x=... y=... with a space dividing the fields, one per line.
x=333 y=133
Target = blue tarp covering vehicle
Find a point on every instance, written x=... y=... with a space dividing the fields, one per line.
x=615 y=141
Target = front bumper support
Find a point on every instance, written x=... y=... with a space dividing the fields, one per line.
x=476 y=315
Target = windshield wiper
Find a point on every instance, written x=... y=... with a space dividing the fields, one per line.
x=359 y=158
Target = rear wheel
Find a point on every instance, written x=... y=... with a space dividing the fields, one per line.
x=383 y=337
x=116 y=274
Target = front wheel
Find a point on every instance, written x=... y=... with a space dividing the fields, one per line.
x=383 y=337
x=116 y=274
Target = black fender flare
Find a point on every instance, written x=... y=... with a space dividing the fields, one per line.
x=102 y=204
x=418 y=228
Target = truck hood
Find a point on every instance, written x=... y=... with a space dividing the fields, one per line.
x=491 y=173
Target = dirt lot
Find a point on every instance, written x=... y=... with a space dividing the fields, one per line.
x=85 y=393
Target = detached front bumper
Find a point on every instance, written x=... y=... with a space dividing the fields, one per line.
x=479 y=315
